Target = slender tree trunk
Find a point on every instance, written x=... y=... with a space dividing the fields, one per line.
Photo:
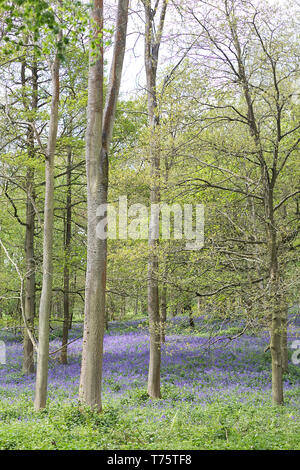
x=152 y=45
x=106 y=319
x=123 y=307
x=136 y=308
x=275 y=346
x=164 y=290
x=72 y=302
x=191 y=319
x=29 y=300
x=153 y=288
x=94 y=314
x=163 y=314
x=275 y=304
x=68 y=236
x=269 y=184
x=284 y=338
x=199 y=306
x=30 y=287
x=46 y=294
x=98 y=139
x=284 y=317
x=71 y=317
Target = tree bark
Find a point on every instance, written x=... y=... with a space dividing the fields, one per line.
x=68 y=236
x=275 y=303
x=30 y=286
x=152 y=45
x=136 y=308
x=98 y=139
x=284 y=339
x=29 y=300
x=46 y=294
x=272 y=246
x=163 y=314
x=199 y=306
x=191 y=319
x=94 y=314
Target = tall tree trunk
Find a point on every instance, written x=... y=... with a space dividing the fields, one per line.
x=275 y=303
x=163 y=314
x=98 y=139
x=164 y=290
x=94 y=314
x=284 y=314
x=275 y=346
x=272 y=248
x=68 y=236
x=29 y=300
x=46 y=294
x=30 y=286
x=72 y=302
x=152 y=45
x=284 y=338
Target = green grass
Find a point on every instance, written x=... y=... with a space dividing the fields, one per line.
x=134 y=422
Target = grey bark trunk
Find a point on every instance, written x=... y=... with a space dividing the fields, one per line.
x=275 y=304
x=274 y=276
x=163 y=314
x=152 y=45
x=46 y=294
x=98 y=138
x=30 y=288
x=284 y=339
x=68 y=236
x=94 y=314
x=29 y=300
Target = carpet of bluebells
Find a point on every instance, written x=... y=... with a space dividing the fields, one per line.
x=205 y=382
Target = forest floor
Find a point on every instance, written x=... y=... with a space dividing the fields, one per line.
x=213 y=397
